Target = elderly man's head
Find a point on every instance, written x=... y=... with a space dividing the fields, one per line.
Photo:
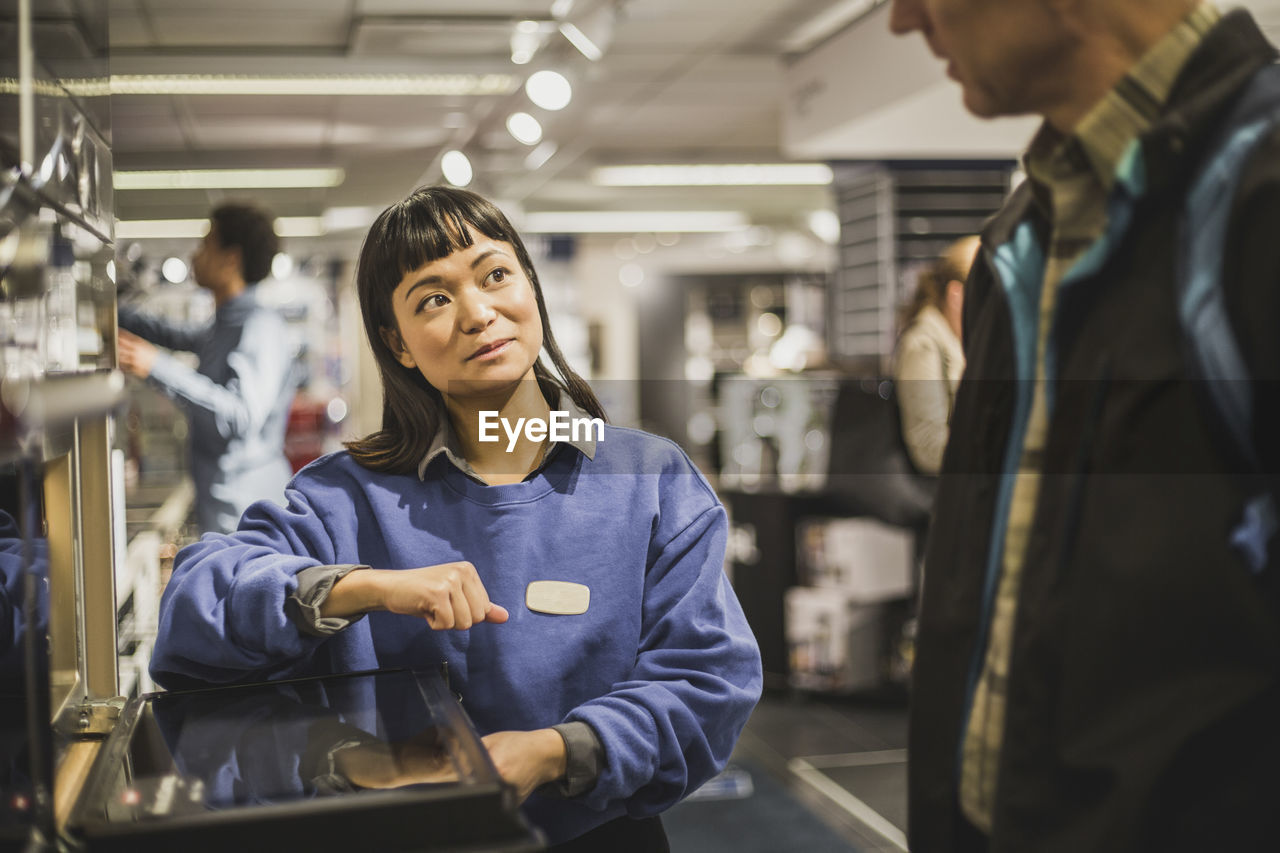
x=1053 y=58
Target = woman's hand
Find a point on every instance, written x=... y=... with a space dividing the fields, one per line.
x=449 y=595
x=527 y=759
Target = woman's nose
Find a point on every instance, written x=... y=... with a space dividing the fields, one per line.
x=475 y=313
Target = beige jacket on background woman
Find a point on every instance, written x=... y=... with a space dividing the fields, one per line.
x=930 y=361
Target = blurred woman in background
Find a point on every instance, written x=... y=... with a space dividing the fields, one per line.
x=930 y=360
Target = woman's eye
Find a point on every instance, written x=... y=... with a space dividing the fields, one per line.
x=435 y=300
x=498 y=276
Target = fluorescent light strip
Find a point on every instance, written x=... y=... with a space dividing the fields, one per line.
x=579 y=39
x=315 y=84
x=192 y=179
x=719 y=174
x=632 y=221
x=159 y=229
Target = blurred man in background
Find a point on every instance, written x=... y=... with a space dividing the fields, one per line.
x=237 y=400
x=1097 y=667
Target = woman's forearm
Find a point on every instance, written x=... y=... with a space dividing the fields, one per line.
x=354 y=593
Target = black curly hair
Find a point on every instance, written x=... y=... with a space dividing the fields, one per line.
x=251 y=229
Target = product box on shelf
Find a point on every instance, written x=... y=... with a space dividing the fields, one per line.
x=834 y=643
x=865 y=559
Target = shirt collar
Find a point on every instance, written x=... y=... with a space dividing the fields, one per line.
x=445 y=441
x=1099 y=142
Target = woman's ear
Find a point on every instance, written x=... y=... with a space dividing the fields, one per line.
x=391 y=338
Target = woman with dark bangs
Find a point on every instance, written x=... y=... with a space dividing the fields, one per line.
x=572 y=580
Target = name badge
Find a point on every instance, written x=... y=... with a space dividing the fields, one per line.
x=559 y=598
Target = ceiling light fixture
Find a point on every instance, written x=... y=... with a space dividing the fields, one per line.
x=456 y=168
x=311 y=84
x=705 y=175
x=282 y=266
x=525 y=128
x=174 y=270
x=825 y=224
x=631 y=221
x=539 y=156
x=579 y=39
x=190 y=179
x=347 y=218
x=158 y=229
x=549 y=89
x=523 y=47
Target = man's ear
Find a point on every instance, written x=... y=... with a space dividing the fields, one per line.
x=391 y=338
x=955 y=294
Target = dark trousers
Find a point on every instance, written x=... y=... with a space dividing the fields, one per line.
x=621 y=835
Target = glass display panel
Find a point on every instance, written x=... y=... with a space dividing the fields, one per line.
x=383 y=760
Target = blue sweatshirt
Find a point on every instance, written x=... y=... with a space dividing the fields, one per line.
x=662 y=666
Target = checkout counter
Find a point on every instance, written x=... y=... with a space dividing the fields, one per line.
x=89 y=758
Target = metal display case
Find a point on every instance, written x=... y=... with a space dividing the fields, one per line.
x=394 y=762
x=57 y=394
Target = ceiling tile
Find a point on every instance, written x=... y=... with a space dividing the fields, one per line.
x=431 y=38
x=214 y=28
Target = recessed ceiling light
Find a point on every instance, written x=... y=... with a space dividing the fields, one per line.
x=825 y=224
x=549 y=89
x=631 y=275
x=456 y=168
x=524 y=128
x=227 y=179
x=301 y=84
x=174 y=270
x=282 y=266
x=718 y=174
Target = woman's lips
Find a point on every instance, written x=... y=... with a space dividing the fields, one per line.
x=490 y=351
